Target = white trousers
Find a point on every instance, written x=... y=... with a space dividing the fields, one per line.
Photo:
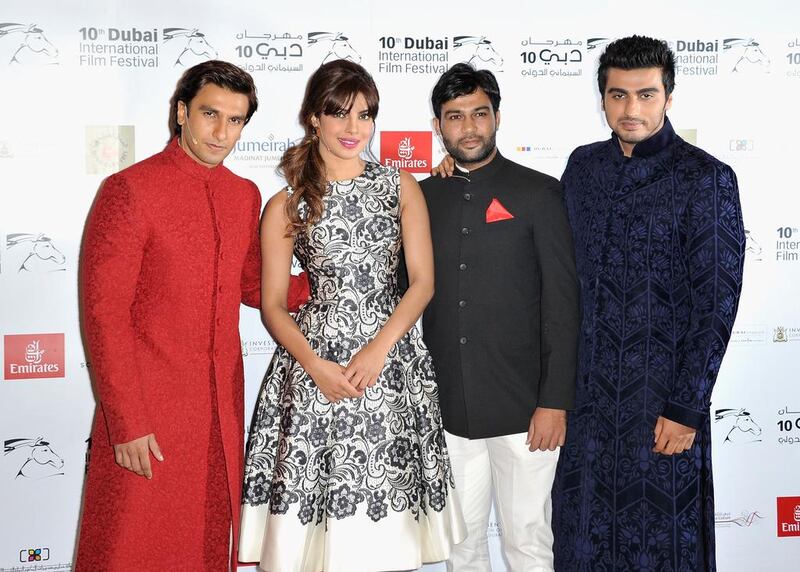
x=522 y=481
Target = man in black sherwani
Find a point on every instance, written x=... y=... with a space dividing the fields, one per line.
x=502 y=327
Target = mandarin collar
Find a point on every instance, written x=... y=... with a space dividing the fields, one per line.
x=652 y=145
x=188 y=165
x=487 y=170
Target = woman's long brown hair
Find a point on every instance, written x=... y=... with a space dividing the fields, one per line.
x=331 y=89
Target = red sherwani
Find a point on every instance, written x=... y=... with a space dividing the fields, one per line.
x=170 y=252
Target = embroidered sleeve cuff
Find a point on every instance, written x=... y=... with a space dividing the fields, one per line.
x=684 y=415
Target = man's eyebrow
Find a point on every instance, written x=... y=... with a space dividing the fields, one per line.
x=480 y=108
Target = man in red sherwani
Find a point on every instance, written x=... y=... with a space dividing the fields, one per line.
x=170 y=252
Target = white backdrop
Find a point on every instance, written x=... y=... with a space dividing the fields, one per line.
x=84 y=92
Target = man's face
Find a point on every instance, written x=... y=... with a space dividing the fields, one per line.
x=213 y=125
x=468 y=128
x=635 y=104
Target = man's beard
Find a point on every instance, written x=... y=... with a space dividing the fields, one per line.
x=475 y=155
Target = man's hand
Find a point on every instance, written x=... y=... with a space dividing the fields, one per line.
x=329 y=378
x=671 y=437
x=135 y=455
x=548 y=429
x=365 y=367
x=445 y=168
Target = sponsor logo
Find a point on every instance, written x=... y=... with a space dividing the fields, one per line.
x=36 y=253
x=265 y=346
x=34 y=457
x=737 y=425
x=33 y=356
x=749 y=335
x=269 y=52
x=332 y=46
x=190 y=46
x=783 y=334
x=109 y=148
x=478 y=51
x=261 y=153
x=26 y=44
x=744 y=519
x=788 y=516
x=407 y=150
x=746 y=54
x=741 y=145
x=34 y=554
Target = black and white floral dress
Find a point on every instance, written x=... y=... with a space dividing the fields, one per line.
x=360 y=485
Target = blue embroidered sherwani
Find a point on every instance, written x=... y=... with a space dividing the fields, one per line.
x=659 y=249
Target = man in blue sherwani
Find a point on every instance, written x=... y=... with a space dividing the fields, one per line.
x=659 y=247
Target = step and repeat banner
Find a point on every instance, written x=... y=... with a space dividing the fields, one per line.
x=85 y=90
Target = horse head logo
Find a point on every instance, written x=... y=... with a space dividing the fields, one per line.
x=750 y=54
x=26 y=44
x=194 y=48
x=337 y=45
x=482 y=53
x=42 y=254
x=40 y=462
x=751 y=244
x=743 y=429
x=594 y=43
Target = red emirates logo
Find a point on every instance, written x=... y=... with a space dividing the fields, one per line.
x=407 y=150
x=788 y=516
x=34 y=356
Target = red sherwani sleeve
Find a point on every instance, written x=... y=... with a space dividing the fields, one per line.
x=251 y=271
x=111 y=258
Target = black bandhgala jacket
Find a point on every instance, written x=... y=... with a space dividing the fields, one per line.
x=503 y=324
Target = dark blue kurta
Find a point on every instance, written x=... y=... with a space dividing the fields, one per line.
x=659 y=249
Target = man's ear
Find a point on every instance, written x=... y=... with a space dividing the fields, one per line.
x=436 y=126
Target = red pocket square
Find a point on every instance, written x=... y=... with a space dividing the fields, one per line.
x=497 y=212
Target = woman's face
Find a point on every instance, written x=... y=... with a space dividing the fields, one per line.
x=344 y=135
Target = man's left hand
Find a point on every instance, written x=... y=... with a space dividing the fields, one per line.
x=547 y=430
x=671 y=437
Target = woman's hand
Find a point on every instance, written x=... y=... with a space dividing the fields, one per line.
x=331 y=381
x=365 y=367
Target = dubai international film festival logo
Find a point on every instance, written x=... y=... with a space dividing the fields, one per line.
x=788 y=516
x=737 y=425
x=752 y=249
x=109 y=148
x=33 y=458
x=190 y=46
x=478 y=51
x=33 y=356
x=33 y=253
x=746 y=55
x=26 y=44
x=332 y=46
x=34 y=554
x=407 y=150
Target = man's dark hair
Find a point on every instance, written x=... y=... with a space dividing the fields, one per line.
x=219 y=73
x=637 y=52
x=464 y=79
